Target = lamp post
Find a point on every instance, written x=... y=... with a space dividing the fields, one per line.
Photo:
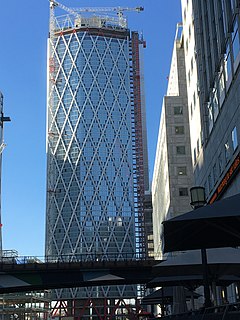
x=198 y=200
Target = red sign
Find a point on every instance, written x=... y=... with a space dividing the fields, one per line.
x=226 y=179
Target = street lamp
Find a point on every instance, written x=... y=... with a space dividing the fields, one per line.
x=198 y=200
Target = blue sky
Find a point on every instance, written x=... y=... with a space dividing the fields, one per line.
x=23 y=52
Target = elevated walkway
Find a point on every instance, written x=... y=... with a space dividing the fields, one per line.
x=31 y=274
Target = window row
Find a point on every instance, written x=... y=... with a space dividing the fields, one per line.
x=226 y=154
x=224 y=77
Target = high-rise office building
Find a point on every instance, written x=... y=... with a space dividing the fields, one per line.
x=97 y=169
x=212 y=41
x=211 y=32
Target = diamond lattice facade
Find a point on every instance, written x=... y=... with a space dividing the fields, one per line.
x=93 y=203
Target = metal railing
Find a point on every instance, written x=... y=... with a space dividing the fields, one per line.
x=222 y=312
x=90 y=257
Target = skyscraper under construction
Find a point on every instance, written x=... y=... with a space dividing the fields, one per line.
x=97 y=166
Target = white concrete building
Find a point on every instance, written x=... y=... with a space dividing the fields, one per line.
x=192 y=80
x=172 y=175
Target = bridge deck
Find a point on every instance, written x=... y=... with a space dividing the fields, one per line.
x=16 y=277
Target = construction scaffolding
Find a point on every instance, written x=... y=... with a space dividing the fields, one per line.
x=138 y=141
x=25 y=306
x=105 y=309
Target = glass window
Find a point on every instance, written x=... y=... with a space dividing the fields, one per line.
x=220 y=163
x=221 y=86
x=178 y=110
x=182 y=171
x=183 y=192
x=194 y=99
x=215 y=103
x=180 y=150
x=224 y=17
x=227 y=151
x=150 y=246
x=201 y=138
x=234 y=139
x=198 y=88
x=233 y=5
x=227 y=63
x=194 y=156
x=236 y=40
x=186 y=45
x=210 y=117
x=150 y=237
x=198 y=147
x=215 y=173
x=179 y=130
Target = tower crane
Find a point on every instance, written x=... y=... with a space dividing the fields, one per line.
x=54 y=4
x=119 y=10
x=75 y=11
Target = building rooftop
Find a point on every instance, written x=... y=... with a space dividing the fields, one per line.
x=94 y=21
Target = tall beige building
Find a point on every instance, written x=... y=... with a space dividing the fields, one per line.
x=172 y=175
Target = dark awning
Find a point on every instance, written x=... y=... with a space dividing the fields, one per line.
x=223 y=267
x=212 y=226
x=165 y=296
x=188 y=281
